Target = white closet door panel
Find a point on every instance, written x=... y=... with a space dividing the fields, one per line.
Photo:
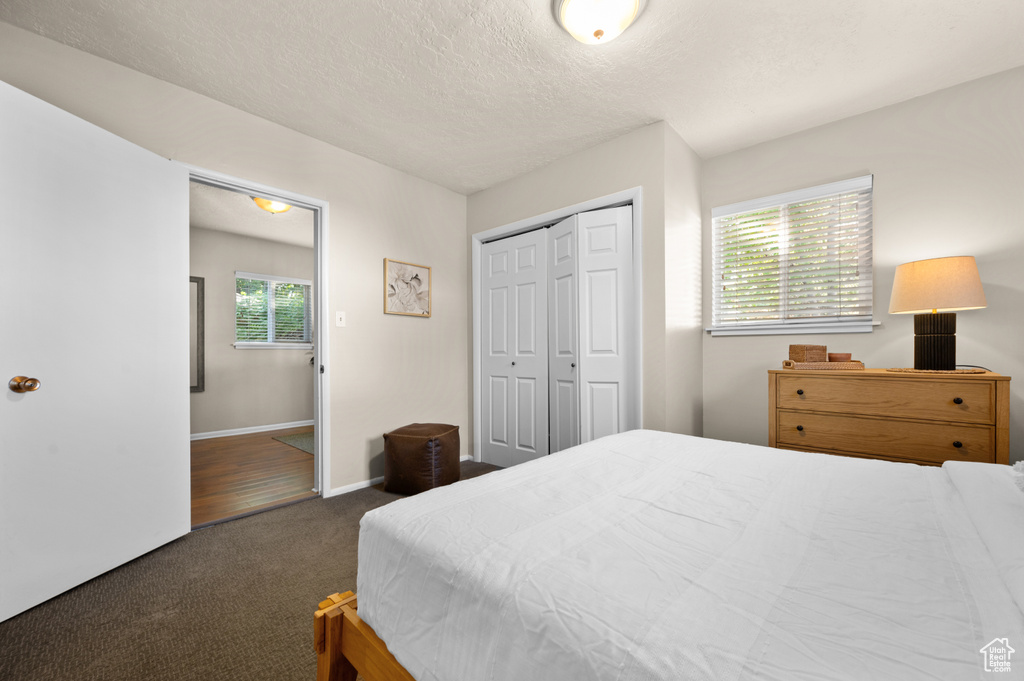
x=497 y=263
x=605 y=276
x=563 y=322
x=603 y=315
x=530 y=322
x=528 y=429
x=563 y=336
x=564 y=425
x=528 y=260
x=527 y=301
x=602 y=238
x=498 y=315
x=514 y=357
x=496 y=392
x=498 y=398
x=563 y=241
x=604 y=402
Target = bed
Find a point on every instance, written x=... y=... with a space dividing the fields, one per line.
x=653 y=556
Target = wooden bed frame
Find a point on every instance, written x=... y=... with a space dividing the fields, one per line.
x=345 y=645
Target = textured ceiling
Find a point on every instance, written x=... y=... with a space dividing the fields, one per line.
x=467 y=93
x=227 y=211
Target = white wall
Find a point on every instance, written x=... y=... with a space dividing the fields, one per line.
x=246 y=388
x=948 y=177
x=656 y=159
x=386 y=370
x=683 y=324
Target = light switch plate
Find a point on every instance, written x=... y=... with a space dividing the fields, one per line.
x=340 y=318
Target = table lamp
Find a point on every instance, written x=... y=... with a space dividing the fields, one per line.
x=932 y=290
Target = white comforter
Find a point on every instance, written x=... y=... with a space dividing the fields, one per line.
x=648 y=555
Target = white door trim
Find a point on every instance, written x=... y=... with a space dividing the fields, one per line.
x=321 y=386
x=633 y=196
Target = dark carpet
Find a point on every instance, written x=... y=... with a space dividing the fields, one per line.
x=232 y=601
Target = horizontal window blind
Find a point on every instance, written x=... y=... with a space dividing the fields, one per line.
x=291 y=313
x=794 y=259
x=252 y=310
x=272 y=309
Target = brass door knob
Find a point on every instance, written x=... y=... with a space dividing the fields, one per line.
x=23 y=384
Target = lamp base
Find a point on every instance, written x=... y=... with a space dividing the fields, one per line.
x=935 y=341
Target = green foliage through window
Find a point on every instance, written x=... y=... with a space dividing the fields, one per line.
x=271 y=311
x=802 y=257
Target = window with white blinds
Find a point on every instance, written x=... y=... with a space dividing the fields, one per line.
x=798 y=262
x=272 y=310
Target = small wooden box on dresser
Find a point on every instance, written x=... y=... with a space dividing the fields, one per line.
x=923 y=418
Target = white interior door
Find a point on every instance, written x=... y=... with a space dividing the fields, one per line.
x=94 y=466
x=605 y=321
x=562 y=336
x=514 y=357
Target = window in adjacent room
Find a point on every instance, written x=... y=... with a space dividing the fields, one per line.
x=798 y=262
x=272 y=311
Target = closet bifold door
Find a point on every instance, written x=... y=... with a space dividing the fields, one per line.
x=514 y=356
x=563 y=346
x=605 y=281
x=556 y=324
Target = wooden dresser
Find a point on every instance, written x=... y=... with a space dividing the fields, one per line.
x=878 y=414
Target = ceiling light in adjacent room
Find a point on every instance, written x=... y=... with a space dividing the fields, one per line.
x=271 y=206
x=597 y=21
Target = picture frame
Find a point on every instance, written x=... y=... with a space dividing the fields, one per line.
x=407 y=289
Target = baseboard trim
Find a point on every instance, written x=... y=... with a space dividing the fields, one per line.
x=369 y=483
x=250 y=429
x=353 y=487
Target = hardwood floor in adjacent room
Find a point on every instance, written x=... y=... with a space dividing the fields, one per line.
x=242 y=474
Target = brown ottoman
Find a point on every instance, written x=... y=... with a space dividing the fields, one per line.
x=420 y=456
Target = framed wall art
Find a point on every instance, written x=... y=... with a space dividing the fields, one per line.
x=406 y=288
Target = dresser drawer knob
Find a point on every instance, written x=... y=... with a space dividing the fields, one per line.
x=799 y=392
x=799 y=427
x=958 y=400
x=958 y=444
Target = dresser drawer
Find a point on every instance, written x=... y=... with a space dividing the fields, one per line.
x=915 y=399
x=931 y=442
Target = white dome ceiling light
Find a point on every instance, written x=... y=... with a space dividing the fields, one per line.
x=597 y=21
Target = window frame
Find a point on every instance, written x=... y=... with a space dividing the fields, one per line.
x=271 y=314
x=805 y=325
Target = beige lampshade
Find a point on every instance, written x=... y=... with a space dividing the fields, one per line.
x=937 y=285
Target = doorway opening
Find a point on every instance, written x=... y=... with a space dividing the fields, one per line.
x=256 y=348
